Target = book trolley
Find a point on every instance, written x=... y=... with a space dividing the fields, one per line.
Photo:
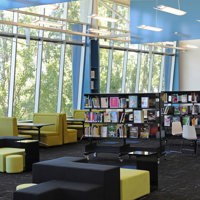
x=120 y=118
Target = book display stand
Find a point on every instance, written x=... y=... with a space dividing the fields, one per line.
x=120 y=117
x=183 y=106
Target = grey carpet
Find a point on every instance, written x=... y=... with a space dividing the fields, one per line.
x=179 y=174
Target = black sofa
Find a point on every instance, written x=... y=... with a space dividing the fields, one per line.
x=72 y=178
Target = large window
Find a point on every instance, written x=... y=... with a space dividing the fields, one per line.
x=67 y=84
x=49 y=77
x=43 y=76
x=116 y=77
x=103 y=69
x=25 y=79
x=5 y=59
x=131 y=72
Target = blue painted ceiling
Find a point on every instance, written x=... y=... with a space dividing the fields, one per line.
x=174 y=27
x=11 y=4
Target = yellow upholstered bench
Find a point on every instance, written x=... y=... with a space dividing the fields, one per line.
x=14 y=163
x=4 y=152
x=134 y=183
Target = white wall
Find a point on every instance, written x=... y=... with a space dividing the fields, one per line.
x=190 y=66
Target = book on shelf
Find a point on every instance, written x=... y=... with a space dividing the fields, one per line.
x=186 y=120
x=95 y=131
x=133 y=132
x=175 y=98
x=167 y=120
x=112 y=130
x=114 y=116
x=176 y=119
x=195 y=109
x=123 y=103
x=177 y=110
x=106 y=116
x=164 y=97
x=169 y=98
x=144 y=132
x=138 y=116
x=133 y=101
x=87 y=102
x=169 y=110
x=145 y=113
x=87 y=116
x=114 y=102
x=152 y=102
x=121 y=117
x=104 y=102
x=92 y=74
x=184 y=98
x=144 y=102
x=151 y=115
x=194 y=121
x=91 y=85
x=104 y=131
x=87 y=131
x=184 y=109
x=95 y=102
x=120 y=131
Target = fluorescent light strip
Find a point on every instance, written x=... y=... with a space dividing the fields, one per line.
x=170 y=10
x=108 y=19
x=47 y=23
x=150 y=28
x=92 y=30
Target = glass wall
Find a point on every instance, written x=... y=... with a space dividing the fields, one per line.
x=25 y=79
x=5 y=59
x=37 y=55
x=49 y=77
x=67 y=83
x=131 y=72
x=103 y=69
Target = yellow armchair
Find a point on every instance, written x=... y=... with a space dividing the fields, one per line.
x=8 y=127
x=69 y=135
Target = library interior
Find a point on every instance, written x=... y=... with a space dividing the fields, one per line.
x=100 y=99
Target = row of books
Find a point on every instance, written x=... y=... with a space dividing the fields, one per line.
x=132 y=101
x=182 y=110
x=184 y=98
x=120 y=131
x=185 y=120
x=135 y=116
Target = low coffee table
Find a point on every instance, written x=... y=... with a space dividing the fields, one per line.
x=146 y=160
x=32 y=152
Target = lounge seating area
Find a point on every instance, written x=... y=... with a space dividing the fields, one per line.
x=77 y=179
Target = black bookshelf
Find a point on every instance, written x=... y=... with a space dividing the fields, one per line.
x=94 y=69
x=183 y=106
x=121 y=116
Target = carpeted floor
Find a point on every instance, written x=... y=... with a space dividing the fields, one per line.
x=179 y=173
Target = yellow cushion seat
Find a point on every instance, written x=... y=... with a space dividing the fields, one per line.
x=14 y=164
x=25 y=185
x=134 y=183
x=4 y=152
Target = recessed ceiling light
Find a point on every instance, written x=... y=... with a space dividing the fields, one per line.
x=47 y=23
x=170 y=10
x=98 y=31
x=108 y=19
x=150 y=28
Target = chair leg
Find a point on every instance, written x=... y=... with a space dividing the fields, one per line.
x=195 y=147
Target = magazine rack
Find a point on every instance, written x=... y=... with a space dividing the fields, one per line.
x=120 y=117
x=180 y=106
